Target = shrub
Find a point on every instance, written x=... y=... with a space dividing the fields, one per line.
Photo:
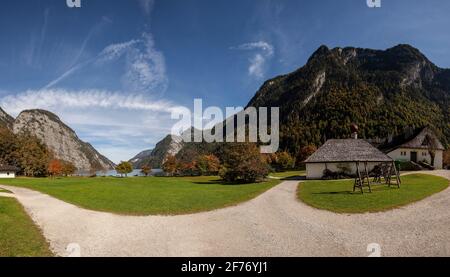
x=208 y=164
x=283 y=161
x=242 y=162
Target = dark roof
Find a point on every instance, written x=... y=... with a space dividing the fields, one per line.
x=4 y=167
x=347 y=150
x=417 y=139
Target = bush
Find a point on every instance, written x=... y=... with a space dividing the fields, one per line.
x=283 y=161
x=243 y=163
x=208 y=165
x=407 y=166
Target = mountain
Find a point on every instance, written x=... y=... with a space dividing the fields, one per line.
x=170 y=145
x=382 y=91
x=141 y=159
x=61 y=139
x=6 y=121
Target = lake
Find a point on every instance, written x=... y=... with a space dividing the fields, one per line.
x=134 y=173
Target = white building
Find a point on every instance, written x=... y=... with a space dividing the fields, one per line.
x=343 y=156
x=7 y=172
x=420 y=147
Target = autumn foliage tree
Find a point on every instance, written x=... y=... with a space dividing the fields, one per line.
x=208 y=164
x=243 y=162
x=171 y=165
x=124 y=168
x=68 y=168
x=306 y=152
x=146 y=170
x=55 y=168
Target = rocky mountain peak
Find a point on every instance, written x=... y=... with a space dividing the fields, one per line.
x=61 y=139
x=6 y=120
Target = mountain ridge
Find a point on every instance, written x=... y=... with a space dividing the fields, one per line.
x=58 y=137
x=383 y=91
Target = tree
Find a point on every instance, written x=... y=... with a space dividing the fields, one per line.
x=68 y=168
x=242 y=162
x=431 y=146
x=305 y=152
x=124 y=168
x=284 y=161
x=171 y=165
x=146 y=170
x=208 y=164
x=32 y=156
x=446 y=160
x=55 y=168
x=188 y=168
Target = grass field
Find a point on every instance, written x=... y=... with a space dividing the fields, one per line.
x=19 y=237
x=288 y=174
x=145 y=196
x=338 y=195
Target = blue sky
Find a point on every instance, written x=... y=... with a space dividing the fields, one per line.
x=113 y=70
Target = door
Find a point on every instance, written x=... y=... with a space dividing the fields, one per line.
x=414 y=157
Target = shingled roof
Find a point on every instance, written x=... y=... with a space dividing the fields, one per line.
x=418 y=139
x=347 y=150
x=10 y=168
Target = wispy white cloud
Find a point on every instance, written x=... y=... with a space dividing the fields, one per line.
x=117 y=124
x=146 y=5
x=58 y=98
x=114 y=51
x=146 y=68
x=266 y=47
x=257 y=63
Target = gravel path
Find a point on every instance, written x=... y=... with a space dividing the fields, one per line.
x=273 y=224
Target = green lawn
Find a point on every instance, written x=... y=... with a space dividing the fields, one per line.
x=19 y=237
x=338 y=196
x=145 y=196
x=288 y=174
x=4 y=190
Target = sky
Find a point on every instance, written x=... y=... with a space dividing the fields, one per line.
x=114 y=70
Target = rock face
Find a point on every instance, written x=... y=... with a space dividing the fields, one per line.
x=61 y=139
x=141 y=159
x=170 y=145
x=382 y=91
x=6 y=121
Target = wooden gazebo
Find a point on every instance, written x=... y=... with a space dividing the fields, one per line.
x=363 y=160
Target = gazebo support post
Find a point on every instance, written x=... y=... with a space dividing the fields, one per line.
x=397 y=175
x=367 y=175
x=358 y=180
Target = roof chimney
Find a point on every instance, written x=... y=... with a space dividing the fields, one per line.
x=354 y=129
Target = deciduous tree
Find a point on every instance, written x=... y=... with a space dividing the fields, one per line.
x=124 y=168
x=243 y=162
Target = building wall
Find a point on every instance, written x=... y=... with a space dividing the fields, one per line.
x=7 y=175
x=404 y=154
x=315 y=170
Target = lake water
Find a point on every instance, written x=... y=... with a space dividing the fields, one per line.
x=113 y=173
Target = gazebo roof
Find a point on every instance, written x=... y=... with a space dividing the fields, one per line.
x=347 y=150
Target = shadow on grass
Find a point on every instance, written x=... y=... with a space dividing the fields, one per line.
x=375 y=189
x=294 y=178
